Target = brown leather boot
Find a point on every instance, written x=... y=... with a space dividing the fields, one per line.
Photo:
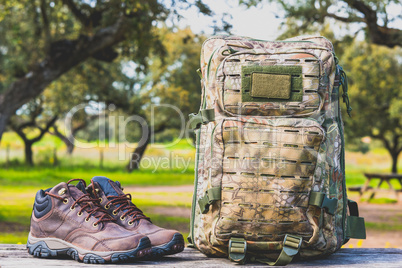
x=119 y=206
x=67 y=221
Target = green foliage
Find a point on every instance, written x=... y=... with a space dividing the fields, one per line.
x=53 y=37
x=358 y=146
x=374 y=91
x=171 y=81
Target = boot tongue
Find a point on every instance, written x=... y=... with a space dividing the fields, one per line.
x=81 y=186
x=75 y=191
x=108 y=186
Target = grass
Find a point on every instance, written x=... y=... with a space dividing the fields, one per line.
x=47 y=177
x=380 y=201
x=13 y=238
x=384 y=226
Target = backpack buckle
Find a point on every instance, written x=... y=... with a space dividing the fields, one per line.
x=291 y=244
x=237 y=249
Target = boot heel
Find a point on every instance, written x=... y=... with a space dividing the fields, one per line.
x=41 y=250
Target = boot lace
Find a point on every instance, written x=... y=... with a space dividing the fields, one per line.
x=88 y=204
x=123 y=203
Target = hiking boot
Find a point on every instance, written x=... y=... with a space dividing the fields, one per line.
x=67 y=221
x=120 y=207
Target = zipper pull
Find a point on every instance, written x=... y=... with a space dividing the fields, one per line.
x=345 y=96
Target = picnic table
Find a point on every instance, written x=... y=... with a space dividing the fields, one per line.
x=387 y=178
x=17 y=256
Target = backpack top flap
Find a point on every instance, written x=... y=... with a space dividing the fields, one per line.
x=262 y=78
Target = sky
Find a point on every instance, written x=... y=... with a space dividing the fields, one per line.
x=256 y=22
x=262 y=22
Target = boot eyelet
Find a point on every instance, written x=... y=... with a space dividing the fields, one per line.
x=72 y=208
x=65 y=201
x=100 y=200
x=122 y=218
x=130 y=223
x=62 y=191
x=97 y=190
x=79 y=214
x=114 y=212
x=107 y=206
x=95 y=225
x=86 y=220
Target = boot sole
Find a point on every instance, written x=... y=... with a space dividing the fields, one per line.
x=174 y=246
x=57 y=248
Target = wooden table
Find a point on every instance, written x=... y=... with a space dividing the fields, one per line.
x=383 y=178
x=17 y=256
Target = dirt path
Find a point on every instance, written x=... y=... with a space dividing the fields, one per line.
x=381 y=213
x=156 y=189
x=171 y=211
x=382 y=216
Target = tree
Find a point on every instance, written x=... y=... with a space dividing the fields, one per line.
x=371 y=16
x=82 y=87
x=31 y=120
x=42 y=40
x=375 y=92
x=172 y=81
x=82 y=123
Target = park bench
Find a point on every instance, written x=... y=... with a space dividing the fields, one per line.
x=17 y=256
x=387 y=178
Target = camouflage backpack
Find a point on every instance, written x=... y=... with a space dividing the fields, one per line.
x=270 y=165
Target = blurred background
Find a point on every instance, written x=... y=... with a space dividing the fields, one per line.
x=93 y=65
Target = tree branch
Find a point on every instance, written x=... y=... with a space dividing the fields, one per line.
x=380 y=35
x=58 y=134
x=345 y=19
x=45 y=19
x=81 y=17
x=44 y=130
x=20 y=132
x=56 y=64
x=384 y=140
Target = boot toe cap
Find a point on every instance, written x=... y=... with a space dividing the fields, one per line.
x=163 y=236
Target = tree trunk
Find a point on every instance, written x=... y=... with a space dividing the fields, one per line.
x=394 y=162
x=70 y=147
x=67 y=141
x=3 y=123
x=138 y=153
x=28 y=153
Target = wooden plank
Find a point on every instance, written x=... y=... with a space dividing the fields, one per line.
x=17 y=256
